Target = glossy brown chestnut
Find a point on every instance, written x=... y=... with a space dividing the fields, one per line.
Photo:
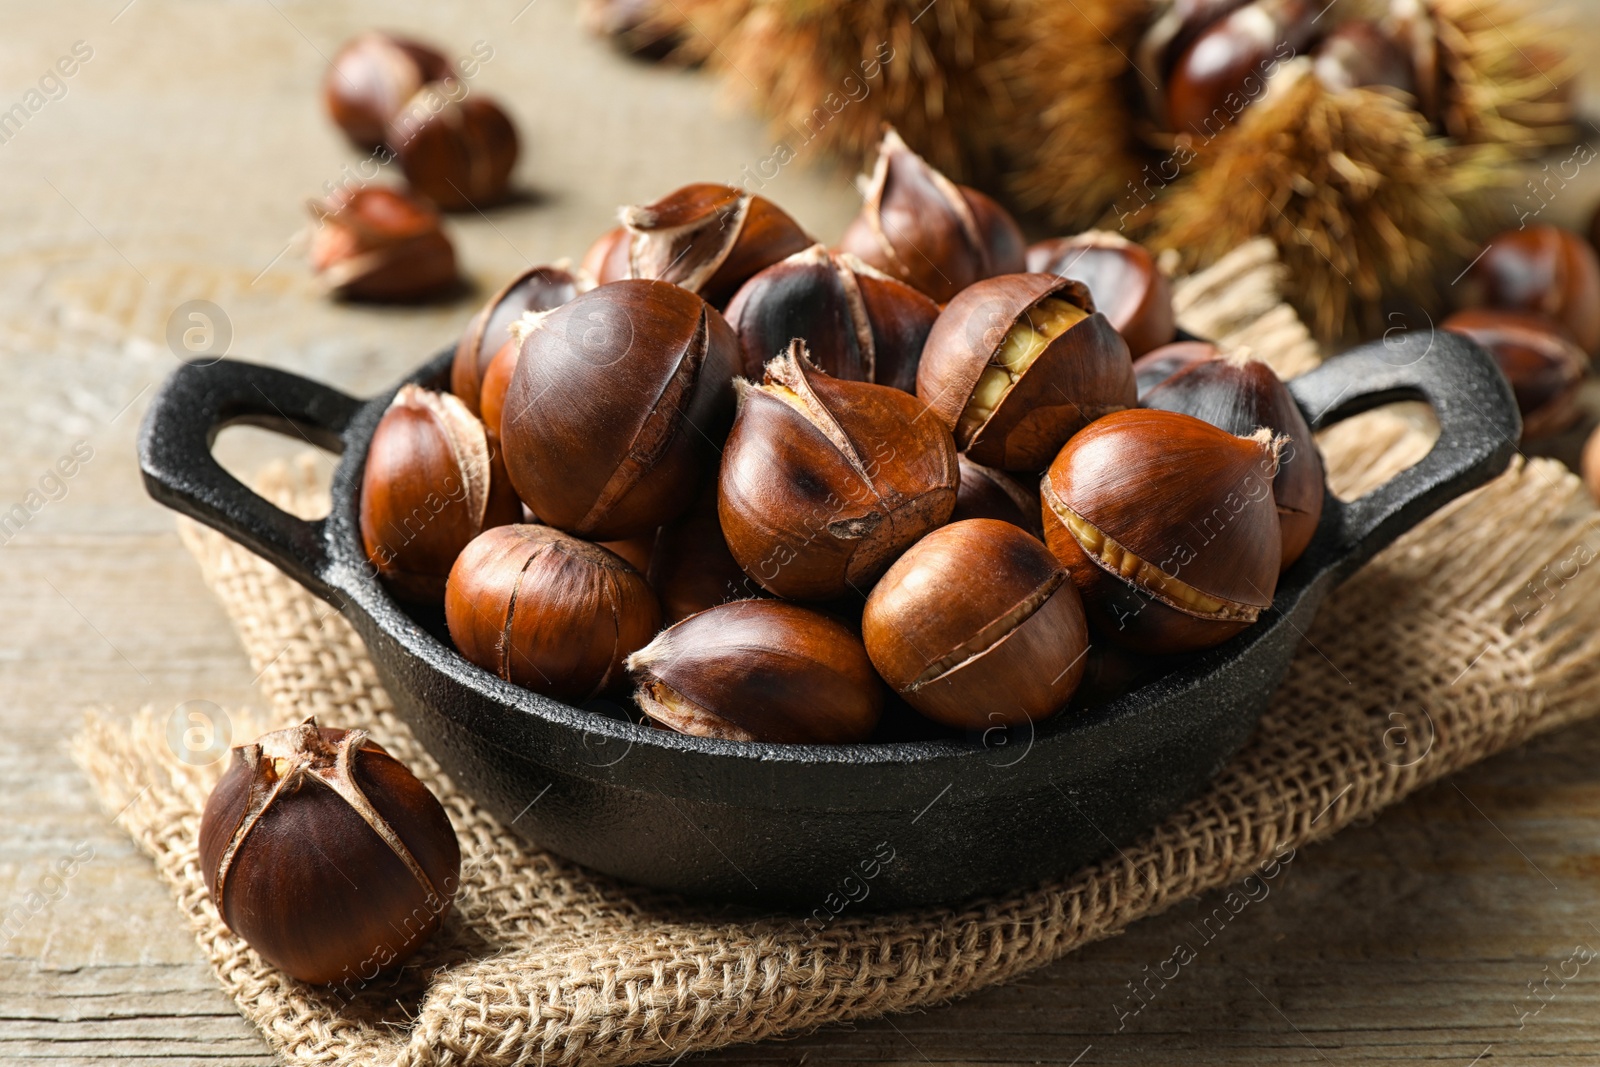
x=857 y=322
x=616 y=408
x=1172 y=31
x=456 y=149
x=986 y=493
x=1155 y=367
x=1543 y=269
x=920 y=227
x=1126 y=285
x=548 y=611
x=1242 y=395
x=824 y=482
x=371 y=77
x=430 y=486
x=535 y=289
x=1360 y=54
x=709 y=239
x=1015 y=365
x=496 y=380
x=977 y=626
x=381 y=245
x=1542 y=364
x=759 y=670
x=607 y=259
x=1168 y=527
x=636 y=550
x=326 y=854
x=1228 y=65
x=691 y=568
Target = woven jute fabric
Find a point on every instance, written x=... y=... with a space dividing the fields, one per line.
x=1476 y=631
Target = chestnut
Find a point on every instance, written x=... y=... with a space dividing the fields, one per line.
x=978 y=625
x=759 y=670
x=1241 y=395
x=1015 y=365
x=1542 y=269
x=1172 y=31
x=1126 y=285
x=430 y=485
x=920 y=227
x=985 y=493
x=1361 y=53
x=326 y=854
x=1542 y=364
x=616 y=408
x=535 y=289
x=371 y=77
x=548 y=611
x=381 y=245
x=1589 y=464
x=1227 y=66
x=644 y=29
x=459 y=153
x=824 y=482
x=607 y=259
x=1156 y=366
x=858 y=323
x=1168 y=527
x=691 y=568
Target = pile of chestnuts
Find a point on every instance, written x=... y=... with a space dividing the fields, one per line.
x=777 y=489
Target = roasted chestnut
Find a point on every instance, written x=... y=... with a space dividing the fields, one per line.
x=535 y=289
x=1589 y=464
x=548 y=611
x=858 y=323
x=616 y=408
x=691 y=568
x=978 y=625
x=456 y=150
x=371 y=77
x=1227 y=67
x=922 y=228
x=1542 y=364
x=986 y=493
x=759 y=670
x=607 y=259
x=382 y=245
x=1015 y=365
x=1168 y=527
x=430 y=485
x=1155 y=367
x=1124 y=282
x=824 y=481
x=1543 y=269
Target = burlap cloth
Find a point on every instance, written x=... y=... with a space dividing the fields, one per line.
x=1473 y=633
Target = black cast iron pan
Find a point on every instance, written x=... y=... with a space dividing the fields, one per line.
x=814 y=827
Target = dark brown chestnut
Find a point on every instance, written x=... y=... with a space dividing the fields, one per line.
x=430 y=485
x=535 y=289
x=1362 y=54
x=986 y=493
x=1016 y=365
x=1172 y=31
x=759 y=670
x=1542 y=269
x=616 y=408
x=1542 y=364
x=548 y=611
x=1155 y=367
x=371 y=77
x=457 y=150
x=977 y=626
x=858 y=323
x=1127 y=286
x=824 y=481
x=381 y=245
x=1228 y=65
x=607 y=259
x=691 y=568
x=1168 y=527
x=922 y=228
x=326 y=854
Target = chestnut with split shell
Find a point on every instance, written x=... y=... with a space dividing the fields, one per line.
x=1124 y=282
x=535 y=289
x=381 y=245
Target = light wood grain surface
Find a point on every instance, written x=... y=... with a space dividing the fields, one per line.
x=174 y=168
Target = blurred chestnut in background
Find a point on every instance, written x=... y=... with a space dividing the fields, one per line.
x=759 y=670
x=1361 y=54
x=326 y=854
x=1227 y=67
x=1168 y=527
x=1124 y=282
x=857 y=322
x=691 y=568
x=644 y=29
x=548 y=611
x=371 y=77
x=1242 y=395
x=457 y=150
x=1542 y=364
x=1542 y=269
x=922 y=228
x=978 y=625
x=1156 y=366
x=1016 y=365
x=824 y=482
x=1589 y=466
x=616 y=408
x=381 y=245
x=430 y=485
x=986 y=493
x=535 y=289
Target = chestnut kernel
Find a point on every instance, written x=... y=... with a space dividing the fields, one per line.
x=1156 y=366
x=535 y=289
x=292 y=801
x=371 y=78
x=1124 y=282
x=986 y=493
x=1016 y=365
x=456 y=150
x=978 y=625
x=759 y=670
x=382 y=245
x=548 y=611
x=1542 y=364
x=1542 y=269
x=824 y=482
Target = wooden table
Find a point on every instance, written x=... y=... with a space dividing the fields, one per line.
x=174 y=168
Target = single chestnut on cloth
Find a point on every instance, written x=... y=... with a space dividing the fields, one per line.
x=759 y=670
x=381 y=245
x=1168 y=527
x=326 y=854
x=430 y=485
x=1016 y=365
x=535 y=289
x=1537 y=357
x=371 y=77
x=857 y=322
x=1124 y=282
x=616 y=408
x=978 y=625
x=824 y=481
x=1545 y=270
x=921 y=227
x=548 y=611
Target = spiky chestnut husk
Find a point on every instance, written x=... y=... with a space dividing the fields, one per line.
x=1503 y=79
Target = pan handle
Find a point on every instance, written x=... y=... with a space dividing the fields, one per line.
x=195 y=404
x=1478 y=431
